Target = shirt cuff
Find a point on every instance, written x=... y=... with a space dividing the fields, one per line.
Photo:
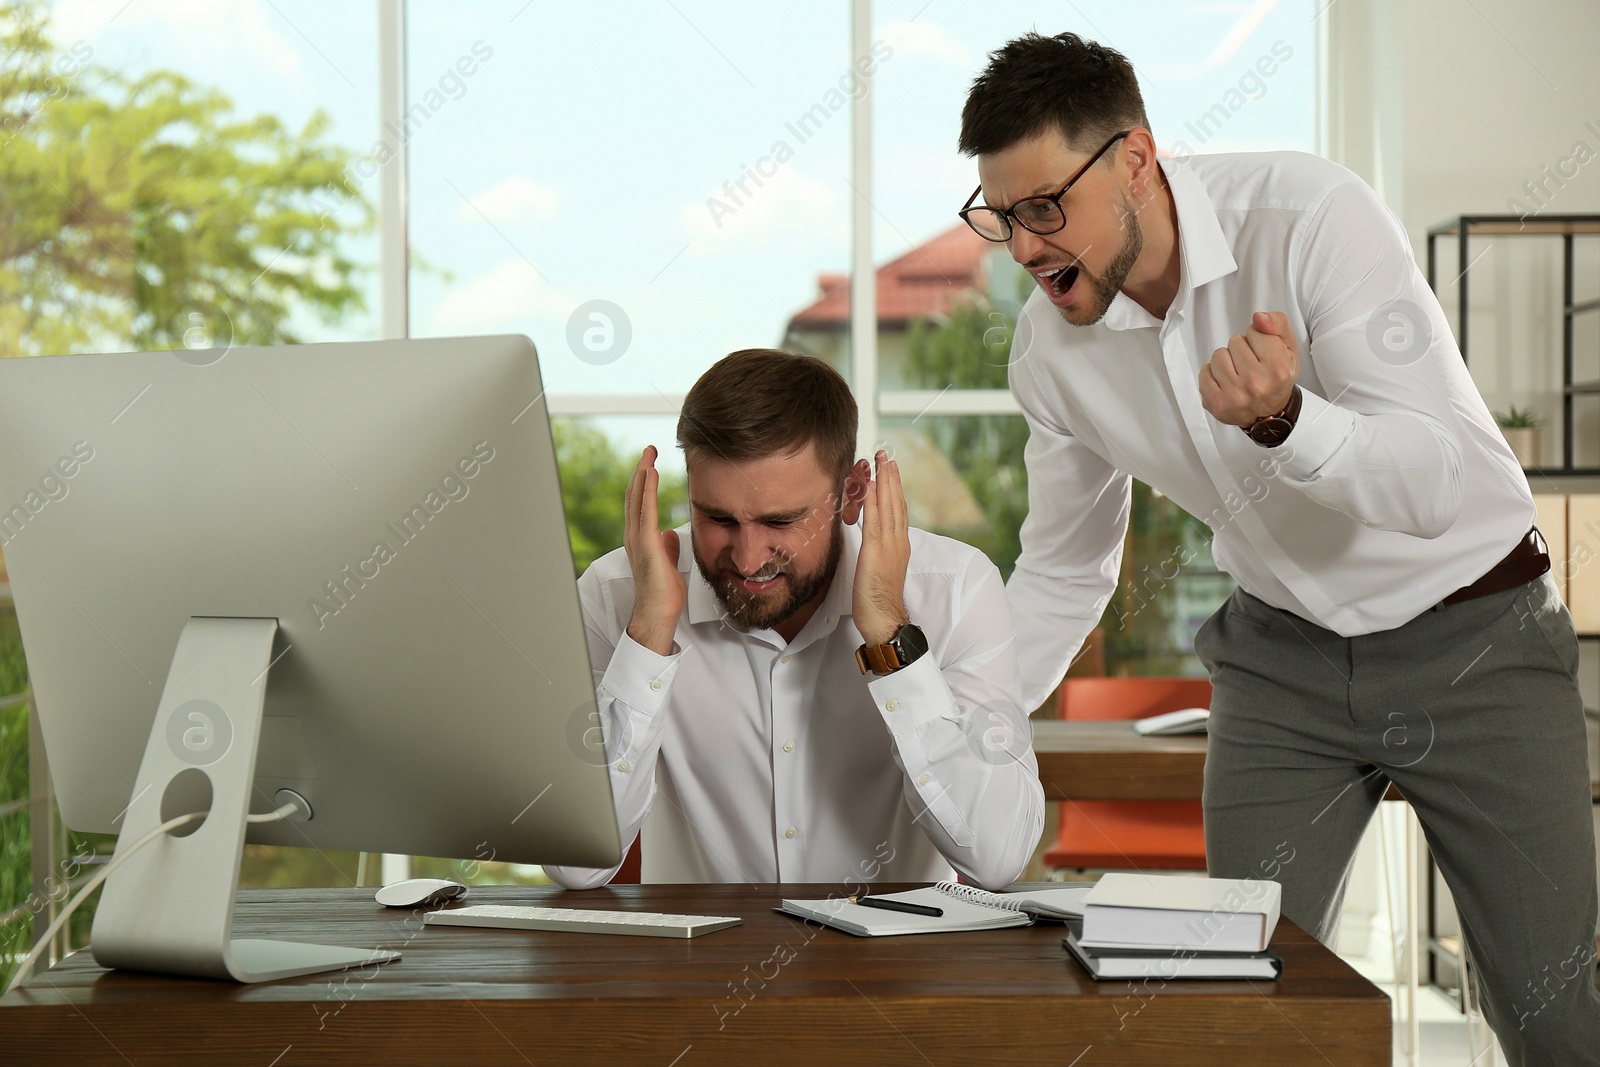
x=912 y=696
x=639 y=677
x=1318 y=432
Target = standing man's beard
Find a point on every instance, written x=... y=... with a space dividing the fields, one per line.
x=763 y=611
x=1106 y=289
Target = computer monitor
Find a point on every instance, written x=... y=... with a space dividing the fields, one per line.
x=339 y=572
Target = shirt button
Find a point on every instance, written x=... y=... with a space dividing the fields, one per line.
x=655 y=684
x=788 y=746
x=790 y=832
x=783 y=659
x=623 y=766
x=891 y=705
x=922 y=779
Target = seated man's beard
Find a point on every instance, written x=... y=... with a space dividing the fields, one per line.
x=795 y=589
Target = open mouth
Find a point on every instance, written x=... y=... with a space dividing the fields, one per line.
x=1058 y=282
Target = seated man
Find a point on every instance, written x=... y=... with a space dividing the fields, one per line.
x=811 y=701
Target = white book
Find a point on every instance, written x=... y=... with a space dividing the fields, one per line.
x=1167 y=964
x=1172 y=911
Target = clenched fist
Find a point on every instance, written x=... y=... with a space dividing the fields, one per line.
x=1255 y=374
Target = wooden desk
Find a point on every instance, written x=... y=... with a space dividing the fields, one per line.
x=775 y=990
x=1108 y=761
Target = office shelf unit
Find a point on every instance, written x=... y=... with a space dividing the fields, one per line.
x=1567 y=227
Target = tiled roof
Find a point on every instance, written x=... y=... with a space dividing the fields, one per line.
x=925 y=281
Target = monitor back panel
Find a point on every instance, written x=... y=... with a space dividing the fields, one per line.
x=393 y=504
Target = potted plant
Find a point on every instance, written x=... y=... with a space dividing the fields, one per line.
x=1523 y=430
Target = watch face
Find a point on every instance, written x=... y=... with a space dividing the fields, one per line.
x=910 y=642
x=1271 y=431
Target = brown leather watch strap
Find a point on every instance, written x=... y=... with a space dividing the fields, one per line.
x=1273 y=429
x=880 y=659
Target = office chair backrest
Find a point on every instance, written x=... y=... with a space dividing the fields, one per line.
x=1131 y=698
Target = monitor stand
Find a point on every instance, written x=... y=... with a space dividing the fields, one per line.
x=169 y=908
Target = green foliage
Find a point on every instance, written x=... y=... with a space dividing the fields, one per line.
x=1515 y=418
x=1163 y=542
x=133 y=210
x=13 y=668
x=594 y=487
x=968 y=350
x=16 y=879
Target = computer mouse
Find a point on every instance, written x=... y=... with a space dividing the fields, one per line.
x=1186 y=721
x=420 y=893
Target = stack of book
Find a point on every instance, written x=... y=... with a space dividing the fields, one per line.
x=1155 y=926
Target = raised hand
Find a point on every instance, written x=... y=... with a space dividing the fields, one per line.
x=659 y=591
x=878 y=601
x=1255 y=374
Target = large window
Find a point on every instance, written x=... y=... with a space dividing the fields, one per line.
x=681 y=186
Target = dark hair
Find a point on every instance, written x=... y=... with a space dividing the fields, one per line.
x=761 y=402
x=1082 y=89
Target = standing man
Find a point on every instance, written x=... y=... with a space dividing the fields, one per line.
x=797 y=686
x=1249 y=334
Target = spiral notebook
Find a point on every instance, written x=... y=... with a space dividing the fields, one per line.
x=965 y=907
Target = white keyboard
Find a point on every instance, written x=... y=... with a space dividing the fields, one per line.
x=582 y=921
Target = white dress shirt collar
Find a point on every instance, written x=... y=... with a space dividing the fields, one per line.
x=1202 y=247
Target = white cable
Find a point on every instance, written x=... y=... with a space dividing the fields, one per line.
x=103 y=873
x=276 y=816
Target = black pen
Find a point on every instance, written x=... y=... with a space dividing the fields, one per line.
x=898 y=905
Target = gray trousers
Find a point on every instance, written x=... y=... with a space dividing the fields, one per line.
x=1473 y=712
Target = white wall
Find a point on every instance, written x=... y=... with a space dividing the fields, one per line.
x=1490 y=99
x=1492 y=93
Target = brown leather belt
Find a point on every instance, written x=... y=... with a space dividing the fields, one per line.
x=1526 y=562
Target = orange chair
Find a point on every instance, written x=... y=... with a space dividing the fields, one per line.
x=1123 y=834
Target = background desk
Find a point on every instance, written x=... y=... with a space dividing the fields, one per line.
x=772 y=991
x=1108 y=761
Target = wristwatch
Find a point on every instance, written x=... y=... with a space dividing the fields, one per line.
x=1271 y=430
x=906 y=647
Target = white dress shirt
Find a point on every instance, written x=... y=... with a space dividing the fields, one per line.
x=1395 y=488
x=757 y=760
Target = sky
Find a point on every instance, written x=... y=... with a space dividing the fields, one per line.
x=594 y=151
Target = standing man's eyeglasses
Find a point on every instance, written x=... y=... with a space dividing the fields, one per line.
x=1038 y=214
